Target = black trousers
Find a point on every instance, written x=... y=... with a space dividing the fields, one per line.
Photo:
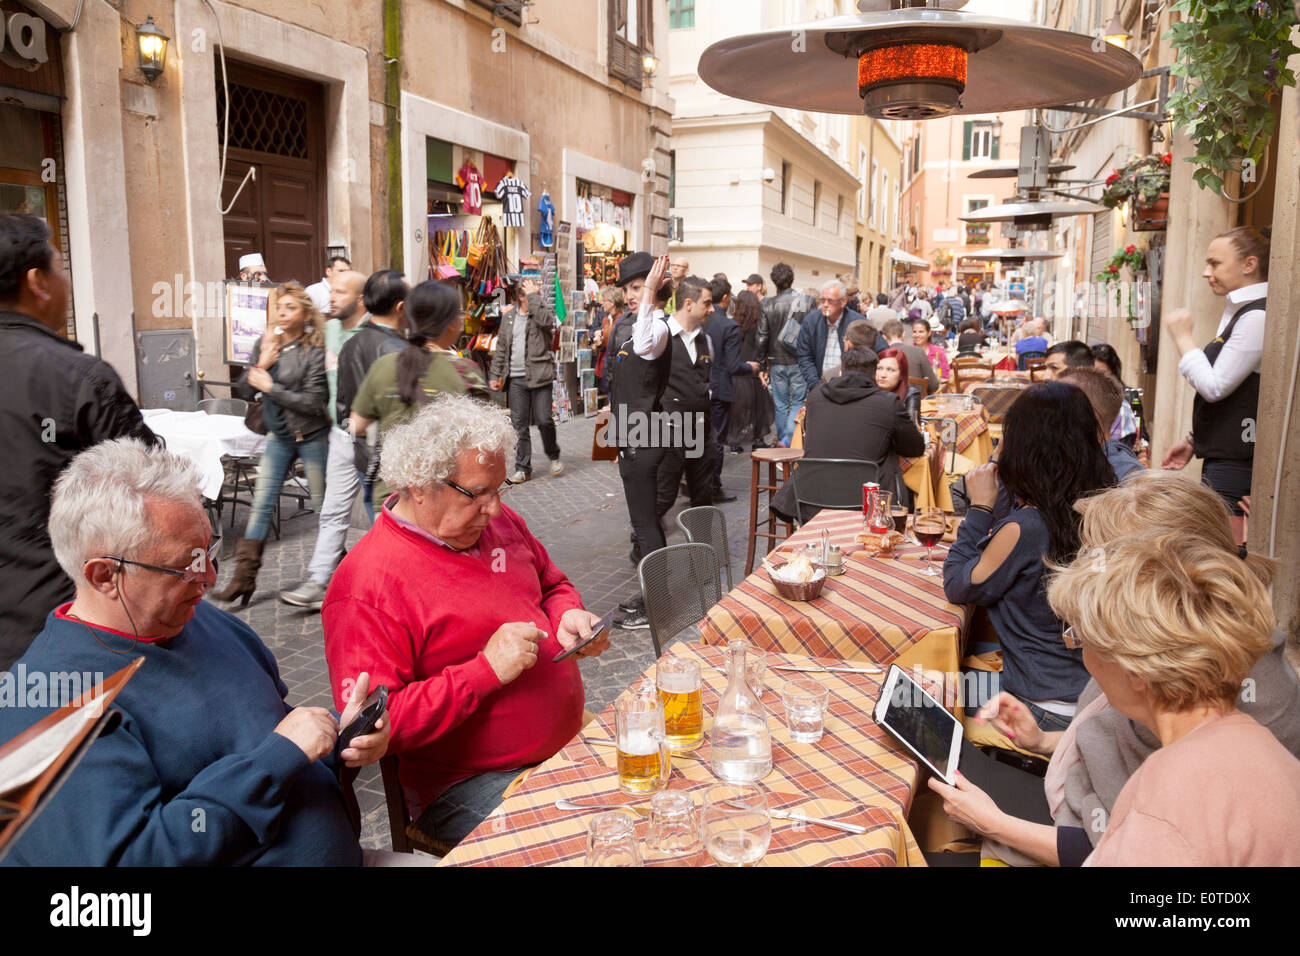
x=639 y=469
x=530 y=406
x=695 y=462
x=721 y=415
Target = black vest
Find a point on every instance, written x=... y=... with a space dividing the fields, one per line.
x=637 y=384
x=688 y=382
x=1219 y=428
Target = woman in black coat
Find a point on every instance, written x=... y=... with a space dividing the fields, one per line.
x=752 y=410
x=852 y=417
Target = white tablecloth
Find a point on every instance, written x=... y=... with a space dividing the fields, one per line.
x=204 y=439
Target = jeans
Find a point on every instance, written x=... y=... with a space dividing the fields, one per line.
x=788 y=392
x=342 y=482
x=277 y=460
x=455 y=814
x=530 y=406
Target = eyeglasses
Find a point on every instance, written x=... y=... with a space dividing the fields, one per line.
x=1072 y=641
x=194 y=571
x=497 y=493
x=830 y=301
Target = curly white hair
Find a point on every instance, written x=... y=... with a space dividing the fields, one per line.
x=423 y=451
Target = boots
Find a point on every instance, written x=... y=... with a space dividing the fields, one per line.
x=248 y=560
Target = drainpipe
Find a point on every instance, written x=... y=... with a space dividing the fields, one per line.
x=393 y=128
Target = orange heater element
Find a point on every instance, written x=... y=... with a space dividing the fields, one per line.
x=912 y=63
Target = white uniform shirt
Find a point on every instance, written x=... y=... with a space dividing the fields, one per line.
x=1240 y=355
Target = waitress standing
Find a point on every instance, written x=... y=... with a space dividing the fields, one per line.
x=1225 y=373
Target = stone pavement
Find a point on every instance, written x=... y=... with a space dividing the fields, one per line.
x=580 y=517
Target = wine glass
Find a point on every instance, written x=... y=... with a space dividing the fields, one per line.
x=930 y=525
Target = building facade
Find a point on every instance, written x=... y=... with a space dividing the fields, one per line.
x=295 y=130
x=754 y=185
x=876 y=151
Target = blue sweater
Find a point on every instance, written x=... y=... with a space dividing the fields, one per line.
x=193 y=775
x=1036 y=664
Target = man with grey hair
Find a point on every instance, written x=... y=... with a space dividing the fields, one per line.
x=460 y=613
x=209 y=765
x=821 y=335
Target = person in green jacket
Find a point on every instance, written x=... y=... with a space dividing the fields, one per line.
x=398 y=383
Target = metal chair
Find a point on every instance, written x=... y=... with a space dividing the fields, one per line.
x=707 y=525
x=680 y=584
x=834 y=483
x=239 y=468
x=224 y=406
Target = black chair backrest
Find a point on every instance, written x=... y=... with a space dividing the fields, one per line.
x=707 y=525
x=224 y=406
x=680 y=584
x=1026 y=356
x=834 y=483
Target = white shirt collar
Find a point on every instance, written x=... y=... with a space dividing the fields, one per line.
x=675 y=328
x=1248 y=293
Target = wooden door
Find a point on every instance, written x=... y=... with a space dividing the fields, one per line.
x=277 y=129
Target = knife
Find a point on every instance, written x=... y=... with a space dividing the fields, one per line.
x=833 y=670
x=833 y=824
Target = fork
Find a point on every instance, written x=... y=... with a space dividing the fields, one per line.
x=563 y=804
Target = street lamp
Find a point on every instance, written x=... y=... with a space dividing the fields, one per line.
x=152 y=44
x=1116 y=34
x=649 y=63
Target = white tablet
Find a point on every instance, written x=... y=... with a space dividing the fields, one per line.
x=920 y=723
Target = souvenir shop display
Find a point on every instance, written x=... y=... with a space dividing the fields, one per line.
x=469 y=179
x=513 y=194
x=546 y=235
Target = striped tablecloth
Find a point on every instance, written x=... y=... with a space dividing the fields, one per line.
x=882 y=610
x=972 y=429
x=856 y=773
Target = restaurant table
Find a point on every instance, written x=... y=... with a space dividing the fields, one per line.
x=973 y=438
x=855 y=774
x=920 y=479
x=883 y=610
x=204 y=439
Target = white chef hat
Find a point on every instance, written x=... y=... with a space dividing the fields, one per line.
x=252 y=261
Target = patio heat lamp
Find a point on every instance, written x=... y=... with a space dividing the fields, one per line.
x=915 y=60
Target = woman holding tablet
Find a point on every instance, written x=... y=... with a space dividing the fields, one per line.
x=1225 y=373
x=1092 y=760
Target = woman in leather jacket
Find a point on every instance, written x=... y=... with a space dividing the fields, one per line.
x=891 y=376
x=290 y=375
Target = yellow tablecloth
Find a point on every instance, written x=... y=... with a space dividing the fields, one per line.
x=856 y=774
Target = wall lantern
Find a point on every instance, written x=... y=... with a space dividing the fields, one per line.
x=153 y=49
x=649 y=63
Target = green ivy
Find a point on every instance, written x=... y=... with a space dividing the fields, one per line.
x=1233 y=56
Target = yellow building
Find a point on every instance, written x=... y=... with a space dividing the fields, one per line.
x=876 y=155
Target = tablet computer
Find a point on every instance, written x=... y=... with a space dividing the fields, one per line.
x=920 y=723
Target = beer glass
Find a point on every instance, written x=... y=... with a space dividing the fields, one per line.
x=681 y=692
x=643 y=761
x=611 y=840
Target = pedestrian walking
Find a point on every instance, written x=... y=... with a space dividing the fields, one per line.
x=525 y=368
x=752 y=411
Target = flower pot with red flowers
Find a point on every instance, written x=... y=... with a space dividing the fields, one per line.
x=1143 y=182
x=1131 y=258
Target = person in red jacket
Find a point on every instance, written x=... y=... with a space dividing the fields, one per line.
x=453 y=605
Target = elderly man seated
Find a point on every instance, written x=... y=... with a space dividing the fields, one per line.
x=209 y=766
x=456 y=607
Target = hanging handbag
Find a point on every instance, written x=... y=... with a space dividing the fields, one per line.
x=478 y=247
x=253 y=420
x=445 y=269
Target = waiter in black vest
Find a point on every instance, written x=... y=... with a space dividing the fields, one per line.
x=636 y=393
x=687 y=432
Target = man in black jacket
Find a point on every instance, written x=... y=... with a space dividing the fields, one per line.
x=781 y=361
x=724 y=339
x=383 y=296
x=55 y=401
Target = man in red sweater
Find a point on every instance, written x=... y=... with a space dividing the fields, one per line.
x=452 y=603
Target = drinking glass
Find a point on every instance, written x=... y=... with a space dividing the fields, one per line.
x=611 y=840
x=805 y=703
x=681 y=691
x=736 y=826
x=929 y=526
x=674 y=824
x=643 y=755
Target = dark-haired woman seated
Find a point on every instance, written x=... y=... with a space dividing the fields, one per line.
x=400 y=382
x=1049 y=459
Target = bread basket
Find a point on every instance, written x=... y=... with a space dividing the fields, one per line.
x=792 y=591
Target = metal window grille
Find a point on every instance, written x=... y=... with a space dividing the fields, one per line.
x=264 y=122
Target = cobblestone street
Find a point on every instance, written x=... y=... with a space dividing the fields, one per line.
x=580 y=517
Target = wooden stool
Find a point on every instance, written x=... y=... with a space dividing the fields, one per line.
x=772 y=457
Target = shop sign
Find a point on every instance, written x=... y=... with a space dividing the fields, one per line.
x=22 y=41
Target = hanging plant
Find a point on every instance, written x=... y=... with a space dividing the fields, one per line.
x=1233 y=57
x=1131 y=258
x=1146 y=178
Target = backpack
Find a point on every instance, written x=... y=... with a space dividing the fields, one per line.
x=789 y=337
x=945 y=314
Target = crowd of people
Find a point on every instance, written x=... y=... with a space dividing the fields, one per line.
x=1128 y=614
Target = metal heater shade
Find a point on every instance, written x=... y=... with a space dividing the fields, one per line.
x=1011 y=172
x=1032 y=216
x=1011 y=65
x=1012 y=257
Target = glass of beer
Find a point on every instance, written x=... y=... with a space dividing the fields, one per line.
x=681 y=692
x=643 y=755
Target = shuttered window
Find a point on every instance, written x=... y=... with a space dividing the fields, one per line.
x=631 y=26
x=508 y=10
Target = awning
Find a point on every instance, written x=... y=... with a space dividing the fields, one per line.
x=898 y=255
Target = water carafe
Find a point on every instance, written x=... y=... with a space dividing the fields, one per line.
x=741 y=745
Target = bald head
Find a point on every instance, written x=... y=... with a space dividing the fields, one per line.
x=679 y=269
x=345 y=297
